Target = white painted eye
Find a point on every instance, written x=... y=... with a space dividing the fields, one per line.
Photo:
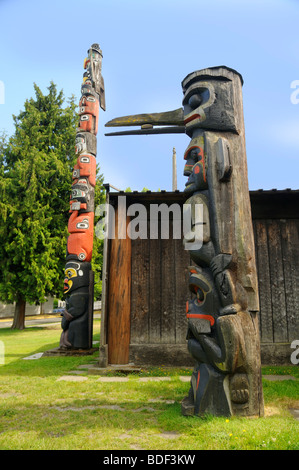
x=84 y=159
x=80 y=272
x=85 y=117
x=77 y=193
x=83 y=225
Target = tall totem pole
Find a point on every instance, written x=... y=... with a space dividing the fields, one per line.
x=223 y=331
x=78 y=283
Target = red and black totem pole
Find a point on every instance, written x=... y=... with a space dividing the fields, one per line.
x=78 y=283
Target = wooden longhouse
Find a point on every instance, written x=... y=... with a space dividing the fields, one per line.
x=145 y=284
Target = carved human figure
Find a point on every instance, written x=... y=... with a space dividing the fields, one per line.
x=74 y=323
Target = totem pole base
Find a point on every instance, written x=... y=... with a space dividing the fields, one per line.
x=70 y=352
x=125 y=369
x=207 y=393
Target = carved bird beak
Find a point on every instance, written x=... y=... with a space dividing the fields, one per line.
x=175 y=119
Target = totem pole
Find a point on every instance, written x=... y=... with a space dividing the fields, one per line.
x=78 y=284
x=223 y=331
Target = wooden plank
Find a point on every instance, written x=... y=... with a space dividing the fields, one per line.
x=290 y=245
x=167 y=289
x=182 y=292
x=155 y=291
x=277 y=282
x=263 y=269
x=90 y=307
x=140 y=291
x=119 y=302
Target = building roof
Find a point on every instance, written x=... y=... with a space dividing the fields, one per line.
x=265 y=203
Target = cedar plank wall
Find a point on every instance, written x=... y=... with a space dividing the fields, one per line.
x=276 y=229
x=159 y=294
x=159 y=282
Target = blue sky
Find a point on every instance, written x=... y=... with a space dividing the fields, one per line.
x=149 y=46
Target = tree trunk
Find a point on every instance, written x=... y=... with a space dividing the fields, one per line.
x=19 y=316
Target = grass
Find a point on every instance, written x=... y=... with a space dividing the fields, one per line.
x=39 y=411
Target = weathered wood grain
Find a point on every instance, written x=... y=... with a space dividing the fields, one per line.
x=154 y=292
x=263 y=269
x=277 y=282
x=167 y=291
x=287 y=246
x=140 y=291
x=290 y=245
x=119 y=301
x=181 y=290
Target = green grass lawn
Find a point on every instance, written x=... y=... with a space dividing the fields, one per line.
x=39 y=411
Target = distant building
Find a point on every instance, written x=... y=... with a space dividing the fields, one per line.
x=8 y=310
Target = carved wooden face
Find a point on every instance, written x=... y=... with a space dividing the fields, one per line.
x=80 y=143
x=85 y=166
x=80 y=239
x=86 y=142
x=195 y=167
x=192 y=156
x=209 y=100
x=75 y=275
x=198 y=97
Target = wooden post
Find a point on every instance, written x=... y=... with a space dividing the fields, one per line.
x=174 y=171
x=119 y=301
x=90 y=307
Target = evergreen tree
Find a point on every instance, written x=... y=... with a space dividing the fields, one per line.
x=35 y=183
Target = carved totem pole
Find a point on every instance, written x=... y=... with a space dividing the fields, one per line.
x=223 y=331
x=78 y=283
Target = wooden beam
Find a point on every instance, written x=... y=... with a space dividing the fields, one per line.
x=119 y=301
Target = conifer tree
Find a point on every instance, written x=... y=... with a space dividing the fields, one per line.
x=35 y=185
